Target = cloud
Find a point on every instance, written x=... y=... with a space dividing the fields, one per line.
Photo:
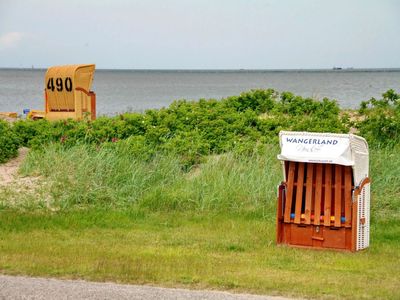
x=10 y=39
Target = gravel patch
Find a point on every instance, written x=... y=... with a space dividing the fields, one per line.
x=20 y=287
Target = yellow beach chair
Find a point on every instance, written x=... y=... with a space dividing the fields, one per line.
x=68 y=94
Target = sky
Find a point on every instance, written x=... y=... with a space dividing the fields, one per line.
x=201 y=34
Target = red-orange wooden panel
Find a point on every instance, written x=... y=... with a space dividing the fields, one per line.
x=299 y=192
x=338 y=195
x=318 y=194
x=328 y=194
x=309 y=192
x=289 y=194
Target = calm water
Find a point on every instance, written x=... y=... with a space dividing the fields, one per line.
x=119 y=91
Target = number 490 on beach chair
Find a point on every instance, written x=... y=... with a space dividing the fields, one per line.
x=67 y=92
x=324 y=200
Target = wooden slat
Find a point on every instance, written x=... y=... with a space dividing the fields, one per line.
x=299 y=192
x=279 y=224
x=347 y=195
x=338 y=195
x=318 y=194
x=309 y=190
x=289 y=195
x=328 y=193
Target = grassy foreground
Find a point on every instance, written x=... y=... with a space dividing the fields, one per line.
x=99 y=214
x=233 y=252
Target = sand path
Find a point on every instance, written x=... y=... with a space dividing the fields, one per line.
x=9 y=170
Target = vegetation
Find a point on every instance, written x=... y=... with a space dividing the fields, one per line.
x=194 y=130
x=185 y=196
x=110 y=177
x=381 y=119
x=9 y=142
x=229 y=251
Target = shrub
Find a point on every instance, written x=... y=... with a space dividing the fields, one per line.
x=381 y=119
x=9 y=142
x=194 y=129
x=259 y=101
x=36 y=134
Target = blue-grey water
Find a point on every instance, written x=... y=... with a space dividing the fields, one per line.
x=131 y=90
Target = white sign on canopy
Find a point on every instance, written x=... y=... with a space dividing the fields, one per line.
x=316 y=148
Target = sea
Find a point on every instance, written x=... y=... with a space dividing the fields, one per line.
x=121 y=91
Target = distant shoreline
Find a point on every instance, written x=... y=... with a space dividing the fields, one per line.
x=332 y=70
x=139 y=90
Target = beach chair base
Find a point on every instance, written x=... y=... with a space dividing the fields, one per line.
x=312 y=236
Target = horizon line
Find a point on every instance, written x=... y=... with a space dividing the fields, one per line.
x=337 y=69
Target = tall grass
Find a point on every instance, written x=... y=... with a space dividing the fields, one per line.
x=113 y=177
x=385 y=186
x=84 y=175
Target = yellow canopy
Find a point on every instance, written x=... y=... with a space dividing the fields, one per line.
x=61 y=83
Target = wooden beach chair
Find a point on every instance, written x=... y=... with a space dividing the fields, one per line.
x=323 y=201
x=67 y=92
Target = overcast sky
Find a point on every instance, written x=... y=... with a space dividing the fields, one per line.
x=201 y=34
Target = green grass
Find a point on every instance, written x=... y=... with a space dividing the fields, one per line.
x=217 y=251
x=85 y=176
x=103 y=214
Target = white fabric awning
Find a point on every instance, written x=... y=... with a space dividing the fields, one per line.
x=316 y=147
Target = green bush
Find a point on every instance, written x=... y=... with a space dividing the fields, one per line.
x=259 y=101
x=380 y=123
x=35 y=134
x=9 y=142
x=194 y=129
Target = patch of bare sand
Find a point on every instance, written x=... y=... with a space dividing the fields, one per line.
x=197 y=169
x=9 y=173
x=194 y=172
x=22 y=191
x=9 y=170
x=8 y=119
x=354 y=117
